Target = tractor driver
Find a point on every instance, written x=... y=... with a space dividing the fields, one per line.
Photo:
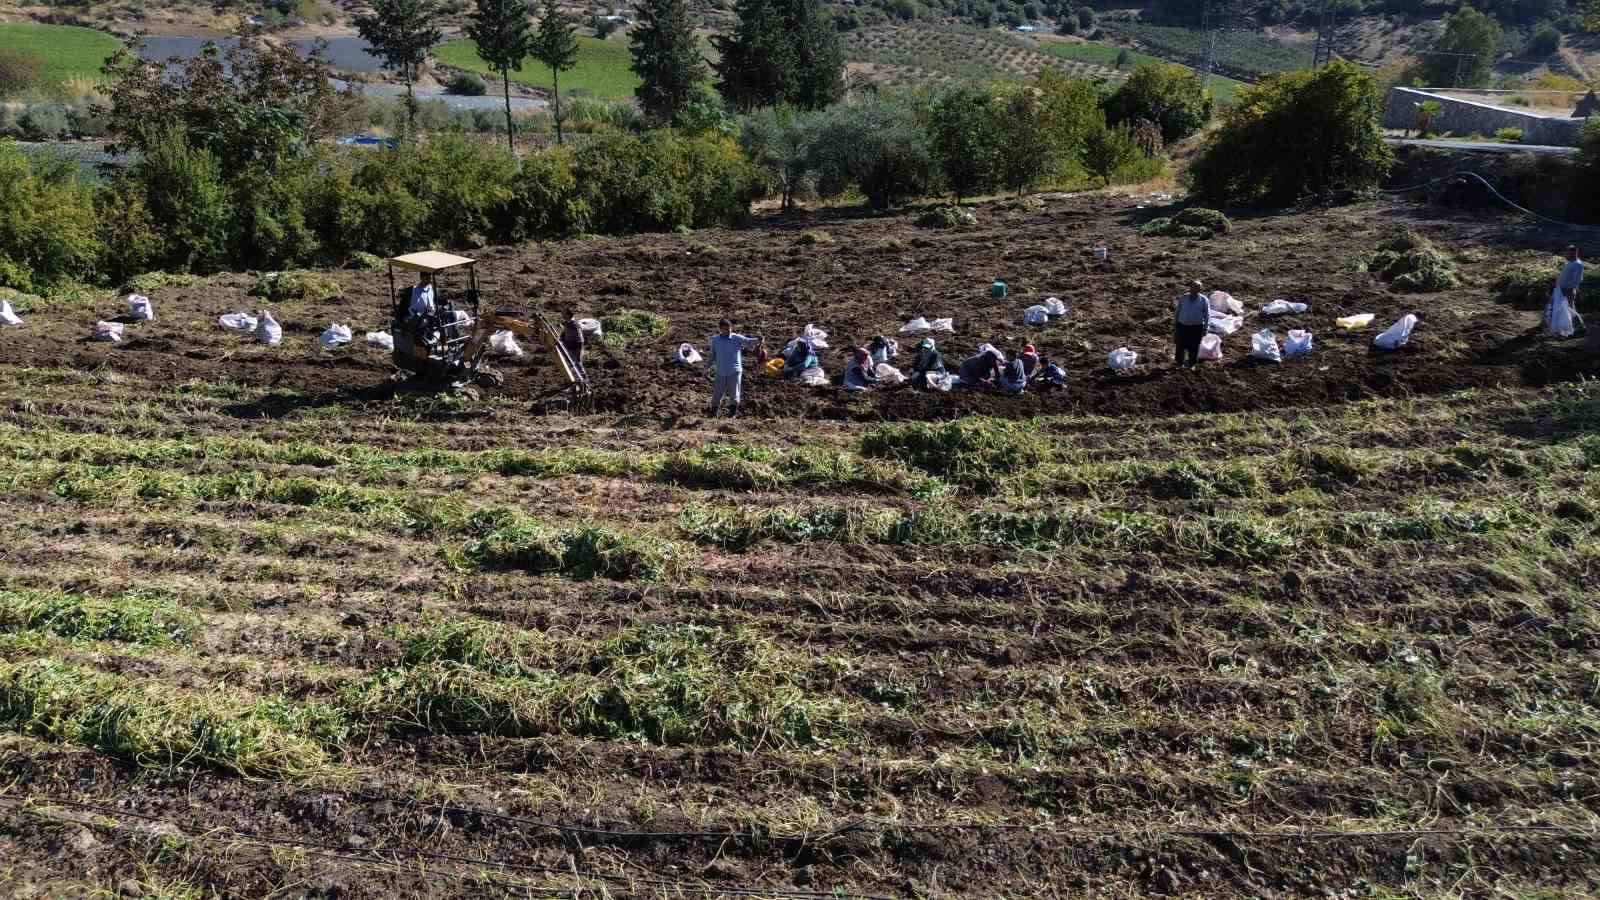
x=423 y=304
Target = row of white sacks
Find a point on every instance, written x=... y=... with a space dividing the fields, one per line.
x=1264 y=343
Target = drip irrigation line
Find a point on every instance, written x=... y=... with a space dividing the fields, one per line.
x=397 y=857
x=1492 y=190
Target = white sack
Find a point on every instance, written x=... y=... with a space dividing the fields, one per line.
x=1054 y=306
x=8 y=316
x=688 y=355
x=1351 y=323
x=1122 y=360
x=268 y=331
x=889 y=375
x=1398 y=335
x=504 y=343
x=381 y=340
x=815 y=335
x=1036 y=315
x=335 y=336
x=941 y=381
x=241 y=322
x=1223 y=302
x=1282 y=307
x=140 y=308
x=1297 y=344
x=1558 y=315
x=916 y=326
x=1264 y=345
x=1211 y=347
x=990 y=348
x=591 y=330
x=814 y=377
x=944 y=325
x=1225 y=325
x=107 y=331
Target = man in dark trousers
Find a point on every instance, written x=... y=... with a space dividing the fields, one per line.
x=572 y=337
x=1193 y=320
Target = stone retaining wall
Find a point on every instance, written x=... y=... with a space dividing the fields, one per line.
x=1464 y=117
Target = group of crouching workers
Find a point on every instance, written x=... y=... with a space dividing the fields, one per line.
x=871 y=367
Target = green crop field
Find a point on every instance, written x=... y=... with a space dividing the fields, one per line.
x=906 y=56
x=1239 y=51
x=602 y=69
x=1222 y=88
x=68 y=52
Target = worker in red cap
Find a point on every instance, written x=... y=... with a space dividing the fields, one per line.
x=1030 y=362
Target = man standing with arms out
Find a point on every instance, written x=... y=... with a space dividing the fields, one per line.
x=727 y=367
x=1569 y=282
x=1193 y=320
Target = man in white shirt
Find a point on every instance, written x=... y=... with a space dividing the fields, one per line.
x=1569 y=282
x=1192 y=319
x=422 y=299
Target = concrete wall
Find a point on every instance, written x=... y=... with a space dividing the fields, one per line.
x=1464 y=117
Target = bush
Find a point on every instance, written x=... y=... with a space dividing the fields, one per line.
x=466 y=84
x=48 y=234
x=1295 y=135
x=1169 y=95
x=19 y=70
x=44 y=122
x=877 y=146
x=187 y=198
x=948 y=217
x=1510 y=135
x=273 y=226
x=546 y=201
x=1544 y=41
x=1194 y=222
x=1413 y=265
x=661 y=181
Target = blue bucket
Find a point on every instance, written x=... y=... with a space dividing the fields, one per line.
x=998 y=290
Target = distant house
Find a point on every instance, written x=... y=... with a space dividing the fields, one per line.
x=1027 y=29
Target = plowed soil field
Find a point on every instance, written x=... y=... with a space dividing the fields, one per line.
x=273 y=624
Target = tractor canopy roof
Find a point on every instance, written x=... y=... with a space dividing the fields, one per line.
x=430 y=261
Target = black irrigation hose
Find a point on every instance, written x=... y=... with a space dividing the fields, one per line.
x=397 y=857
x=1492 y=190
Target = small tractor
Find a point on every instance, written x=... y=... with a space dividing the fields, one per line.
x=450 y=343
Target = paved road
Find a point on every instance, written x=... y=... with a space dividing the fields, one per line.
x=1485 y=147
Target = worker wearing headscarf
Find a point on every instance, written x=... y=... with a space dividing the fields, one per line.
x=862 y=373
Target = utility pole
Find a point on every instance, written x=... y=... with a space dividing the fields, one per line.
x=1323 y=53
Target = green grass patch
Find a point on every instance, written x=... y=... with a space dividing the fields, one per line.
x=134 y=617
x=297 y=284
x=625 y=326
x=977 y=452
x=602 y=68
x=513 y=541
x=67 y=51
x=665 y=684
x=150 y=282
x=151 y=726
